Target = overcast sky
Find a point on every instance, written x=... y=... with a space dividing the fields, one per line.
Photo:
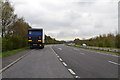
x=70 y=19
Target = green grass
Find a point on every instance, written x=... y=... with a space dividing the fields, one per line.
x=12 y=52
x=108 y=52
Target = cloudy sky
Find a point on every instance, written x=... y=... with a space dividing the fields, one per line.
x=70 y=19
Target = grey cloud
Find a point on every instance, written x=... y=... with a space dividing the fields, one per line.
x=69 y=19
x=84 y=3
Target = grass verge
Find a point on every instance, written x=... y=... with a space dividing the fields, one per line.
x=9 y=53
x=108 y=52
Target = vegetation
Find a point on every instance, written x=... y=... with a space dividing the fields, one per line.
x=97 y=50
x=9 y=53
x=14 y=29
x=14 y=33
x=49 y=40
x=109 y=40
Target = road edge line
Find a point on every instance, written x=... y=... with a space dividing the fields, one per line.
x=5 y=68
x=113 y=62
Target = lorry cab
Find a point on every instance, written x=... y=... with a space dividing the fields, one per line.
x=36 y=38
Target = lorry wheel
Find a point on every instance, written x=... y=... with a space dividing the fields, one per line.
x=41 y=47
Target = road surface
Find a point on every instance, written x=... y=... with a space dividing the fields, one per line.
x=61 y=61
x=88 y=64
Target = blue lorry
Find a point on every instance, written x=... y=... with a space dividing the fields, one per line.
x=36 y=38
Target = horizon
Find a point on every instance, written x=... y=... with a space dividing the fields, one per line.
x=67 y=20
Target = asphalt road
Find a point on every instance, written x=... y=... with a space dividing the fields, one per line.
x=88 y=64
x=39 y=63
x=61 y=61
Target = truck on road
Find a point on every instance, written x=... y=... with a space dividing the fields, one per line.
x=36 y=38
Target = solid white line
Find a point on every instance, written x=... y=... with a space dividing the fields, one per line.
x=71 y=71
x=13 y=62
x=60 y=59
x=64 y=64
x=113 y=62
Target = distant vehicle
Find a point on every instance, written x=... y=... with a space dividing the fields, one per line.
x=84 y=45
x=36 y=38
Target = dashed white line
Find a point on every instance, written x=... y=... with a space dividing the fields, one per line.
x=113 y=62
x=60 y=59
x=77 y=77
x=71 y=71
x=64 y=64
x=58 y=56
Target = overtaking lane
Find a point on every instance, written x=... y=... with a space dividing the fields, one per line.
x=88 y=65
x=38 y=64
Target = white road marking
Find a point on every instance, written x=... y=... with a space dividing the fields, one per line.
x=60 y=59
x=77 y=77
x=64 y=64
x=60 y=48
x=113 y=62
x=71 y=71
x=58 y=56
x=54 y=52
x=75 y=49
x=107 y=54
x=115 y=55
x=82 y=53
x=14 y=62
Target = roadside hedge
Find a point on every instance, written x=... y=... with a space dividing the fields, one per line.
x=13 y=42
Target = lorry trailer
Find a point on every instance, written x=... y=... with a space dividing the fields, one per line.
x=36 y=38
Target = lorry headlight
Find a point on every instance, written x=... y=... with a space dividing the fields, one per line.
x=29 y=40
x=39 y=40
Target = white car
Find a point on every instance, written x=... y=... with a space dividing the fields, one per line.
x=84 y=45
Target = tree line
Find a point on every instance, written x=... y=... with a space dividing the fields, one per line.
x=108 y=40
x=15 y=29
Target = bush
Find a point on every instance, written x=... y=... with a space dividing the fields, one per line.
x=13 y=42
